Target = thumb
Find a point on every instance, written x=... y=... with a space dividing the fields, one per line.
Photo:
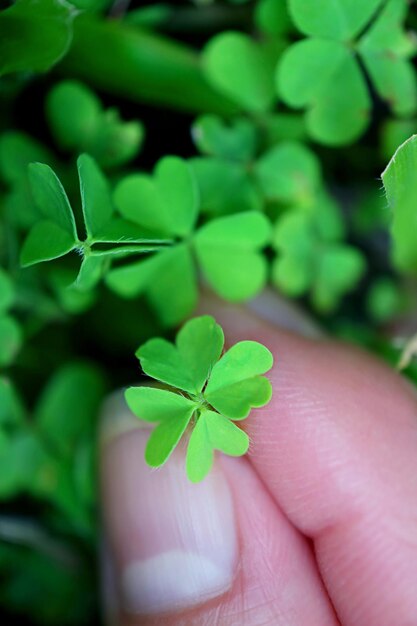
x=219 y=552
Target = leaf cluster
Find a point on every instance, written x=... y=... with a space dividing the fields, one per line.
x=206 y=390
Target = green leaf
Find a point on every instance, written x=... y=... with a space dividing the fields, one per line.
x=178 y=191
x=271 y=17
x=12 y=412
x=236 y=384
x=394 y=80
x=68 y=407
x=393 y=133
x=289 y=173
x=73 y=113
x=131 y=280
x=338 y=19
x=121 y=231
x=51 y=199
x=385 y=300
x=11 y=339
x=56 y=234
x=157 y=405
x=91 y=272
x=34 y=34
x=174 y=293
x=21 y=459
x=188 y=364
x=95 y=196
x=324 y=76
x=383 y=49
x=387 y=33
x=7 y=292
x=79 y=123
x=168 y=202
x=225 y=187
x=236 y=141
x=172 y=411
x=116 y=141
x=168 y=278
x=17 y=150
x=338 y=272
x=228 y=251
x=212 y=432
x=400 y=183
x=45 y=242
x=241 y=70
x=200 y=454
x=292 y=274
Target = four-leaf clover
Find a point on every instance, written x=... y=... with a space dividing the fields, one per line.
x=207 y=390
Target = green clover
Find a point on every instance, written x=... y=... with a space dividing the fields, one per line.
x=324 y=72
x=34 y=34
x=79 y=123
x=311 y=256
x=208 y=390
x=55 y=233
x=287 y=173
x=226 y=249
x=399 y=179
x=241 y=69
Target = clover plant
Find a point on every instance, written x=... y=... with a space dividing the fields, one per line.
x=149 y=154
x=205 y=388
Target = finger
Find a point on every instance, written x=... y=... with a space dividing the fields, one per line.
x=337 y=449
x=219 y=552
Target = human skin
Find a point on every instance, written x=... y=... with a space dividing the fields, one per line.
x=316 y=526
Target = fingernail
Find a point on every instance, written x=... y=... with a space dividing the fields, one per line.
x=174 y=542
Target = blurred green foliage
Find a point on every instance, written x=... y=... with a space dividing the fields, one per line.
x=149 y=151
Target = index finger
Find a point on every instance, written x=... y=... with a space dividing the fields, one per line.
x=337 y=449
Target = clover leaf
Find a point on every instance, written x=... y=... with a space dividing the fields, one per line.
x=55 y=233
x=312 y=257
x=17 y=150
x=80 y=124
x=288 y=173
x=236 y=141
x=206 y=390
x=399 y=179
x=227 y=249
x=225 y=186
x=34 y=34
x=241 y=69
x=323 y=73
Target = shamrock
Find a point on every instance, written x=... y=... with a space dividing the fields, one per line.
x=55 y=234
x=233 y=177
x=324 y=72
x=227 y=249
x=208 y=390
x=79 y=123
x=241 y=69
x=311 y=256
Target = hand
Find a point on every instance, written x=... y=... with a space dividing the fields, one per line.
x=317 y=526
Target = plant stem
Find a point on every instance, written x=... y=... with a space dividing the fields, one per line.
x=142 y=66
